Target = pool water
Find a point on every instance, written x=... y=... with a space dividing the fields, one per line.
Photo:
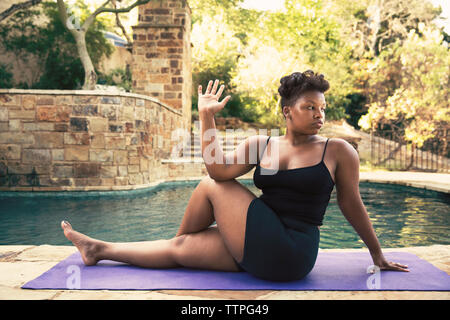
x=402 y=216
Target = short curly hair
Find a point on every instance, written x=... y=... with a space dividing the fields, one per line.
x=293 y=85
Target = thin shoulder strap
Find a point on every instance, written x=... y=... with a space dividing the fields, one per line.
x=267 y=142
x=325 y=149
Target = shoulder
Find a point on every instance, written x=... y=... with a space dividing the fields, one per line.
x=341 y=146
x=343 y=152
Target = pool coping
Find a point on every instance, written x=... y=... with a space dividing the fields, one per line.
x=22 y=263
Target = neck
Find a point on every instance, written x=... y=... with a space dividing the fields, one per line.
x=298 y=138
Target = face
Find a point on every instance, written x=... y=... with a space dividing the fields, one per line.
x=307 y=111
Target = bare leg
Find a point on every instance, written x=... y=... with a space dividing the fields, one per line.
x=205 y=250
x=152 y=254
x=199 y=214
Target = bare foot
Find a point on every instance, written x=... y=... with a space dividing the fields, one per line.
x=88 y=247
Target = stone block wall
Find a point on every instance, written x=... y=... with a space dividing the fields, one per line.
x=85 y=140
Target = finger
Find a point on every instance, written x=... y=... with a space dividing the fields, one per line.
x=219 y=93
x=398 y=264
x=200 y=90
x=216 y=83
x=208 y=89
x=402 y=269
x=399 y=267
x=225 y=100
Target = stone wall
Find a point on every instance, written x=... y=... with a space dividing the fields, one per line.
x=85 y=140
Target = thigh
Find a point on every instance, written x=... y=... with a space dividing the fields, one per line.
x=230 y=201
x=203 y=250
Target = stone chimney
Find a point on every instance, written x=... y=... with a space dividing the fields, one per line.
x=161 y=65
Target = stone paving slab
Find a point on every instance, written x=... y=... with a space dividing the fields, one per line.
x=20 y=264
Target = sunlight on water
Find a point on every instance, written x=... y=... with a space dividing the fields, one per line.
x=402 y=216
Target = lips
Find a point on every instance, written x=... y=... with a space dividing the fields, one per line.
x=319 y=123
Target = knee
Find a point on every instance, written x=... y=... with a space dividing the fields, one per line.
x=207 y=179
x=177 y=245
x=212 y=182
x=208 y=183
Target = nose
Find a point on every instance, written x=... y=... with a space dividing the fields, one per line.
x=319 y=114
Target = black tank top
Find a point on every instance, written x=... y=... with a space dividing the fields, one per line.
x=300 y=194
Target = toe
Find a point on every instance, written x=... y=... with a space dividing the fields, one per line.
x=65 y=224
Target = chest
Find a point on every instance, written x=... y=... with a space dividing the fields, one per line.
x=312 y=159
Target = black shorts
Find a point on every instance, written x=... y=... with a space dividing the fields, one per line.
x=275 y=252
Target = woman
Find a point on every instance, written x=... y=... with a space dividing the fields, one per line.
x=275 y=236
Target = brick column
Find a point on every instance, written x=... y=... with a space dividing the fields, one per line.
x=161 y=65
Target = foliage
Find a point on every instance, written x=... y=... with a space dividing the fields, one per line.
x=6 y=77
x=296 y=39
x=410 y=86
x=370 y=26
x=120 y=77
x=52 y=45
x=251 y=50
x=384 y=60
x=214 y=56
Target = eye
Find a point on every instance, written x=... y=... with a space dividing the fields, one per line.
x=323 y=109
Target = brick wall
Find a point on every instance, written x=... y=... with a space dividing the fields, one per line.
x=85 y=140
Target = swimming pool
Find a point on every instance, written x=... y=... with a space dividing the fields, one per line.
x=402 y=216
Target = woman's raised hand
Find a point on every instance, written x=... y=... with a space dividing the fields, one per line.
x=209 y=102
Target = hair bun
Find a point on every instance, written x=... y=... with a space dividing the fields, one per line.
x=293 y=85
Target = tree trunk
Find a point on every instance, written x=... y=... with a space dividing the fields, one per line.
x=16 y=7
x=90 y=77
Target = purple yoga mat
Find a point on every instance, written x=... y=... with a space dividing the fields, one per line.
x=333 y=271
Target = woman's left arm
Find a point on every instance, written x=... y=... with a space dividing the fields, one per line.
x=351 y=205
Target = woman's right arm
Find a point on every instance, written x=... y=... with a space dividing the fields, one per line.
x=222 y=166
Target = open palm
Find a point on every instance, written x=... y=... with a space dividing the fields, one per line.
x=209 y=102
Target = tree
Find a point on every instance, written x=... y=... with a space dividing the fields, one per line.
x=78 y=30
x=215 y=54
x=254 y=49
x=299 y=38
x=417 y=73
x=371 y=25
